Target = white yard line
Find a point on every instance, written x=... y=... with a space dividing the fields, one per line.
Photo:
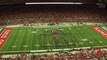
x=37 y=41
x=89 y=38
x=16 y=40
x=72 y=35
x=97 y=40
x=85 y=39
x=21 y=40
x=11 y=39
x=89 y=34
x=32 y=39
x=26 y=40
x=77 y=39
x=59 y=49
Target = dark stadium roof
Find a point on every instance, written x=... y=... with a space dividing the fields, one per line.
x=5 y=2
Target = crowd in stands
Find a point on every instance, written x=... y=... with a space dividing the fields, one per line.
x=13 y=15
x=81 y=54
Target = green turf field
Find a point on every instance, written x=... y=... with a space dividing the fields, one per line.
x=29 y=39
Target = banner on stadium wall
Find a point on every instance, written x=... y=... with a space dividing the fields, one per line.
x=99 y=30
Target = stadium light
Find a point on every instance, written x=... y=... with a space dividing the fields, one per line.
x=32 y=3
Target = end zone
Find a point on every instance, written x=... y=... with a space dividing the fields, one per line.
x=3 y=37
x=99 y=30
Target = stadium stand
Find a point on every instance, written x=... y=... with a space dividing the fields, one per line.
x=30 y=14
x=80 y=54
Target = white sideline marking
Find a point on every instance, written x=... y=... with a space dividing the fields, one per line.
x=83 y=48
x=38 y=51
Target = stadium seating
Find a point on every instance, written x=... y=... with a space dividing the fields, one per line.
x=81 y=54
x=24 y=15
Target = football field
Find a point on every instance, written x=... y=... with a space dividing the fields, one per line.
x=30 y=39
